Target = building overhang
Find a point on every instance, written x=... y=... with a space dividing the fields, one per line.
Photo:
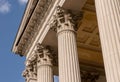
x=23 y=26
x=32 y=17
x=35 y=28
x=35 y=14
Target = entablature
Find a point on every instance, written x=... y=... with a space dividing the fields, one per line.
x=33 y=16
x=38 y=14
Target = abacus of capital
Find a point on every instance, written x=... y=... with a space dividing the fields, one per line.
x=58 y=39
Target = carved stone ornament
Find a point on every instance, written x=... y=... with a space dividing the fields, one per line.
x=89 y=76
x=45 y=55
x=31 y=70
x=65 y=18
x=39 y=9
x=42 y=56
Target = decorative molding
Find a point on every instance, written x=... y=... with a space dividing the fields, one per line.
x=32 y=27
x=41 y=32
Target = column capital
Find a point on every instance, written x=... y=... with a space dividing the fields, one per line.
x=65 y=19
x=44 y=54
x=44 y=63
x=30 y=71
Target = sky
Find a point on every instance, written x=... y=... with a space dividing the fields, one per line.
x=11 y=65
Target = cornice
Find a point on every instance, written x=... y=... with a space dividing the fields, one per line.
x=43 y=27
x=26 y=17
x=32 y=26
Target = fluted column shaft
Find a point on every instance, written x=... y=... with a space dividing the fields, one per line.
x=69 y=70
x=108 y=14
x=45 y=73
x=44 y=65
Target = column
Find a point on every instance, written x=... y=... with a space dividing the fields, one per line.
x=108 y=15
x=65 y=24
x=30 y=72
x=44 y=64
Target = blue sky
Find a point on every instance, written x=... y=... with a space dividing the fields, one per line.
x=11 y=65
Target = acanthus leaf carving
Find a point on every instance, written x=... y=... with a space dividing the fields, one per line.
x=31 y=69
x=65 y=18
x=45 y=55
x=41 y=8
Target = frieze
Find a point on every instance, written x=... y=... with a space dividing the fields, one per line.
x=29 y=35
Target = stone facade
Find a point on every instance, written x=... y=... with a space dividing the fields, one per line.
x=74 y=39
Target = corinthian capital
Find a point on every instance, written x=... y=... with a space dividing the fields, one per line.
x=30 y=71
x=65 y=18
x=44 y=55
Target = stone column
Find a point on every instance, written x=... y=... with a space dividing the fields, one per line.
x=108 y=15
x=65 y=24
x=44 y=64
x=30 y=73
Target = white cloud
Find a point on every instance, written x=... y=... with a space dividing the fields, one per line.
x=23 y=1
x=4 y=6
